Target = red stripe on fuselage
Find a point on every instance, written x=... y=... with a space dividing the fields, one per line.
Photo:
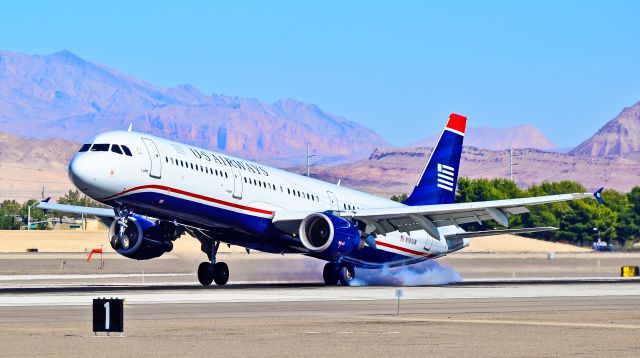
x=400 y=248
x=193 y=195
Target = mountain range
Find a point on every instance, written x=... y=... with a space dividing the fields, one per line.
x=619 y=137
x=395 y=171
x=60 y=100
x=523 y=136
x=61 y=95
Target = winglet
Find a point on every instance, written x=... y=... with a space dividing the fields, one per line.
x=45 y=201
x=598 y=195
x=130 y=126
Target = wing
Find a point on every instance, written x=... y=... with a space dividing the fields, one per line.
x=101 y=212
x=430 y=217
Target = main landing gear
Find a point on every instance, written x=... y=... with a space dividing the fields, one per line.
x=213 y=271
x=334 y=273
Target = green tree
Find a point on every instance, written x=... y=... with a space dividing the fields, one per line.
x=75 y=197
x=8 y=211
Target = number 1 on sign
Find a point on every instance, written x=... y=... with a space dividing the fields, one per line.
x=107 y=314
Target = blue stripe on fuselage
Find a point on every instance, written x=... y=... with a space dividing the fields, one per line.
x=241 y=229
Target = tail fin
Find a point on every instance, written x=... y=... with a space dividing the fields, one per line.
x=437 y=185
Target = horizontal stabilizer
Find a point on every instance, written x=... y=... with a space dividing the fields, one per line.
x=468 y=235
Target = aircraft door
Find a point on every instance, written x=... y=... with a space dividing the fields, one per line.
x=237 y=183
x=333 y=200
x=154 y=155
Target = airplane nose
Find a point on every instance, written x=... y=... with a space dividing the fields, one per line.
x=81 y=173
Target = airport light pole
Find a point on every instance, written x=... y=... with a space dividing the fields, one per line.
x=29 y=217
x=309 y=156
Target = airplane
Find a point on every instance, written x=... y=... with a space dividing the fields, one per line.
x=160 y=189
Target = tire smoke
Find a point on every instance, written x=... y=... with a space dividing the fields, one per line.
x=423 y=273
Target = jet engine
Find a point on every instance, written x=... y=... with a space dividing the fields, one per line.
x=329 y=234
x=142 y=239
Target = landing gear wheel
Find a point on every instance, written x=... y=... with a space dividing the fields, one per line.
x=205 y=274
x=220 y=273
x=346 y=275
x=330 y=274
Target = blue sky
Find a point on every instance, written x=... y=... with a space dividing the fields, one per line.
x=397 y=67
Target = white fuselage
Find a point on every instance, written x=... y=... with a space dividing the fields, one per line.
x=202 y=188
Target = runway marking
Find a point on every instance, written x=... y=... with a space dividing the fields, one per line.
x=88 y=276
x=297 y=294
x=520 y=323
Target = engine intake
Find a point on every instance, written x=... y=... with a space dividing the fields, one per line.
x=329 y=234
x=143 y=239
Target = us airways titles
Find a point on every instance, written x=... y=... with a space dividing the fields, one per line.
x=222 y=160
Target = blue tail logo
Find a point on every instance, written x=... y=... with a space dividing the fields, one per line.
x=437 y=185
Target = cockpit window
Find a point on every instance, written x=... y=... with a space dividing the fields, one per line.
x=100 y=148
x=85 y=147
x=126 y=150
x=116 y=149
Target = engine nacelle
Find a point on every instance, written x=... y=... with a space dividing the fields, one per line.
x=143 y=239
x=329 y=234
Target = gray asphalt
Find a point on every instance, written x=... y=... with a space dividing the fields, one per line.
x=173 y=316
x=552 y=326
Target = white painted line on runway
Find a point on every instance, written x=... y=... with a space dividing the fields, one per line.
x=213 y=295
x=87 y=276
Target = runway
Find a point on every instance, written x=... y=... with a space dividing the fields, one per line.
x=567 y=306
x=78 y=294
x=511 y=319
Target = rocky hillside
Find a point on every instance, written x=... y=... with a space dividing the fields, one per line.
x=64 y=96
x=394 y=171
x=619 y=137
x=29 y=166
x=524 y=136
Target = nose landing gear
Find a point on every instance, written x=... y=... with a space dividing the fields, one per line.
x=213 y=271
x=334 y=273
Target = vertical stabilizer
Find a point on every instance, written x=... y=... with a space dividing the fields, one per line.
x=437 y=185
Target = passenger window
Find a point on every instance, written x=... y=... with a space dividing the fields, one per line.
x=100 y=148
x=85 y=147
x=288 y=191
x=116 y=149
x=225 y=175
x=126 y=150
x=245 y=180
